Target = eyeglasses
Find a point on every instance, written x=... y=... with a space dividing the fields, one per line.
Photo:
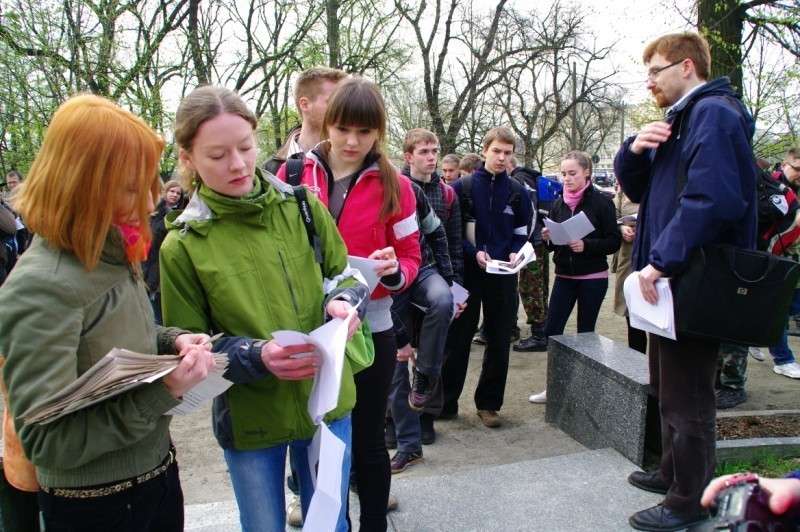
x=651 y=76
x=796 y=168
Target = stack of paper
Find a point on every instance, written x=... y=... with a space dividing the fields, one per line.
x=659 y=318
x=524 y=256
x=117 y=372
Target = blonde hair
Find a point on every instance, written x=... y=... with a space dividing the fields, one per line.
x=309 y=82
x=93 y=154
x=500 y=134
x=417 y=136
x=204 y=103
x=580 y=157
x=357 y=102
x=169 y=185
x=470 y=162
x=451 y=158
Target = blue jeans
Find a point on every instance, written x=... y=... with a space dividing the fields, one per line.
x=406 y=421
x=588 y=293
x=781 y=352
x=431 y=292
x=257 y=478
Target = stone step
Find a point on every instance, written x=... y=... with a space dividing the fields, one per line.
x=581 y=491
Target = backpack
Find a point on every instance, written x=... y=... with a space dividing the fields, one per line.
x=449 y=196
x=294 y=171
x=778 y=207
x=548 y=192
x=468 y=206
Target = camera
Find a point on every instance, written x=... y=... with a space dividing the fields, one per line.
x=743 y=507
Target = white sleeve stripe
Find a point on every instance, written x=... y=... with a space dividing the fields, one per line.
x=406 y=227
x=521 y=230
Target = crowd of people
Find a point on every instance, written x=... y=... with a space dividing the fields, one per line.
x=121 y=260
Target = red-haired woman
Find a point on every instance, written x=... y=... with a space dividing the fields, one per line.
x=76 y=294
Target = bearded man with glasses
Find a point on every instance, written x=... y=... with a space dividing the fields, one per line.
x=706 y=135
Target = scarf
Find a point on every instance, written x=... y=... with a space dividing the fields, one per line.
x=136 y=247
x=573 y=198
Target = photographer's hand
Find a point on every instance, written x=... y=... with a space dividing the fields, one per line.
x=784 y=493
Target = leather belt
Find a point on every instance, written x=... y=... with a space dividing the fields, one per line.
x=90 y=493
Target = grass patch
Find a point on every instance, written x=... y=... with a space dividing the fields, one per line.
x=769 y=467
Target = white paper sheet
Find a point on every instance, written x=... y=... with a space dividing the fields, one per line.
x=659 y=318
x=325 y=458
x=330 y=340
x=210 y=387
x=525 y=255
x=570 y=230
x=460 y=295
x=367 y=268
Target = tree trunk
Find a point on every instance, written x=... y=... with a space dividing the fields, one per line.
x=200 y=68
x=722 y=22
x=334 y=40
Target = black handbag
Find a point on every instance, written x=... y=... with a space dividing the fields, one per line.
x=734 y=295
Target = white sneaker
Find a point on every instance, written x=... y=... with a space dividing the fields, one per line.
x=538 y=398
x=757 y=353
x=294 y=513
x=791 y=370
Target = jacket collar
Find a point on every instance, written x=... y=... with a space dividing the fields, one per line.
x=206 y=205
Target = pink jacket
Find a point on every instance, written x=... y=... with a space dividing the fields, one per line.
x=358 y=223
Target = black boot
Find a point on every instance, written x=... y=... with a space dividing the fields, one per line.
x=536 y=342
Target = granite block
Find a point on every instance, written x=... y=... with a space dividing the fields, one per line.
x=597 y=393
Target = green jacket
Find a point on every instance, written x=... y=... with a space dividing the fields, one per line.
x=56 y=321
x=244 y=267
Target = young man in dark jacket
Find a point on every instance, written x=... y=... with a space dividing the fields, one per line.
x=707 y=132
x=442 y=264
x=500 y=230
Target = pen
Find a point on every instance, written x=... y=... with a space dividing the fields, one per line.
x=484 y=253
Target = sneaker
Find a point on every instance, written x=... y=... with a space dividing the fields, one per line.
x=515 y=333
x=538 y=398
x=294 y=513
x=427 y=433
x=421 y=391
x=490 y=418
x=393 y=503
x=791 y=370
x=401 y=460
x=757 y=353
x=728 y=398
x=531 y=344
x=390 y=434
x=479 y=338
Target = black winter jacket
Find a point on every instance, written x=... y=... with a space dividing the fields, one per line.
x=604 y=240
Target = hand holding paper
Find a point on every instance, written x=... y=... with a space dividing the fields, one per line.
x=570 y=230
x=524 y=256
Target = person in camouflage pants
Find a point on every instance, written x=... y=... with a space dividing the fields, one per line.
x=731 y=368
x=534 y=291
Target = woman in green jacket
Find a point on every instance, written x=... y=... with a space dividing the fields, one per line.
x=76 y=294
x=238 y=261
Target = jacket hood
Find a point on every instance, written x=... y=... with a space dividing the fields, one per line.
x=483 y=173
x=435 y=178
x=206 y=205
x=720 y=87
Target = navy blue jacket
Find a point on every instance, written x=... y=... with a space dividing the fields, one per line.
x=711 y=131
x=497 y=228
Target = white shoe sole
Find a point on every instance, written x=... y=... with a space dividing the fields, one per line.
x=789 y=374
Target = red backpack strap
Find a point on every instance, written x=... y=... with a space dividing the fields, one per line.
x=449 y=197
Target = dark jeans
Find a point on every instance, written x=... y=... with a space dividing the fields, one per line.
x=498 y=296
x=588 y=293
x=370 y=457
x=406 y=421
x=781 y=353
x=428 y=298
x=155 y=505
x=682 y=379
